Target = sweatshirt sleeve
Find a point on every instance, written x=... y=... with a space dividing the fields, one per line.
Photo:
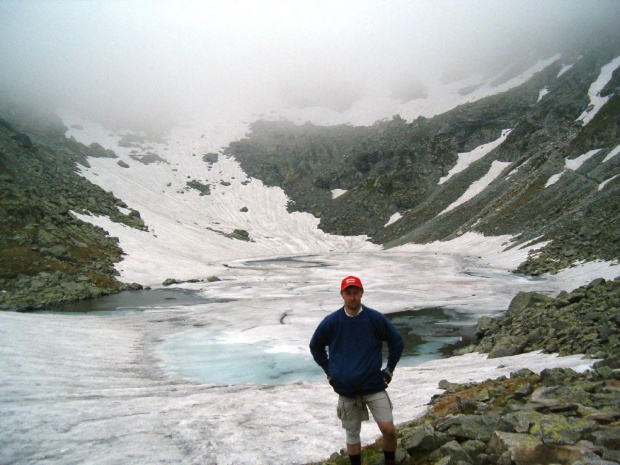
x=395 y=342
x=318 y=345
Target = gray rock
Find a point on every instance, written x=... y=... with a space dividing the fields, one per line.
x=521 y=447
x=423 y=438
x=506 y=346
x=518 y=422
x=561 y=430
x=608 y=437
x=463 y=427
x=453 y=451
x=525 y=300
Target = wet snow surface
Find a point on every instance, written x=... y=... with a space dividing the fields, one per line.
x=109 y=388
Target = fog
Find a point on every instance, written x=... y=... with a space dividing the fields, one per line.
x=150 y=64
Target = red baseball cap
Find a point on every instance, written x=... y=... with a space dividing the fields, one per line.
x=351 y=281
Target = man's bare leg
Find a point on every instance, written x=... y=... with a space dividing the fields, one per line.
x=354 y=451
x=389 y=435
x=389 y=441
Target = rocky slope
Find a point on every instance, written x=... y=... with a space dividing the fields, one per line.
x=395 y=167
x=557 y=417
x=48 y=255
x=584 y=321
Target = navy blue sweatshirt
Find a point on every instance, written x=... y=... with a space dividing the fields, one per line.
x=353 y=357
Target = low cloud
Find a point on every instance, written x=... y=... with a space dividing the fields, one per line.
x=150 y=63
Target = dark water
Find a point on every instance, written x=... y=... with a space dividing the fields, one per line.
x=135 y=302
x=308 y=261
x=429 y=333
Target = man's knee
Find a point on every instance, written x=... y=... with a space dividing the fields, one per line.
x=387 y=428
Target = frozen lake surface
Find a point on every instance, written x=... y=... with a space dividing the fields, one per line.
x=120 y=387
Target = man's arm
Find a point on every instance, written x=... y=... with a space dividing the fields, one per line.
x=318 y=344
x=395 y=342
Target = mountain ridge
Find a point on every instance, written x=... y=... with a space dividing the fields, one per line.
x=397 y=181
x=399 y=169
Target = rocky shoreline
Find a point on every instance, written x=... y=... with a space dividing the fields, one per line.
x=556 y=417
x=50 y=256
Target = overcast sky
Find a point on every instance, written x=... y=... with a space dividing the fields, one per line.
x=146 y=60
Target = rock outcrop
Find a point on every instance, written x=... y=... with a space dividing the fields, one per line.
x=49 y=256
x=584 y=321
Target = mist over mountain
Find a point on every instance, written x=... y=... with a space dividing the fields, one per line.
x=149 y=65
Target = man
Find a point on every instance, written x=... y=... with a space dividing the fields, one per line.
x=354 y=336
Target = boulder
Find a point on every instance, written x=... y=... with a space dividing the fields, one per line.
x=454 y=452
x=558 y=429
x=608 y=437
x=508 y=345
x=525 y=300
x=518 y=422
x=527 y=450
x=486 y=324
x=521 y=447
x=462 y=427
x=423 y=438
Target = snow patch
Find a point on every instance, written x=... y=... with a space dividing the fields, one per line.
x=393 y=219
x=612 y=154
x=573 y=165
x=467 y=158
x=553 y=179
x=542 y=93
x=188 y=232
x=481 y=184
x=564 y=69
x=596 y=100
x=516 y=170
x=604 y=183
x=337 y=193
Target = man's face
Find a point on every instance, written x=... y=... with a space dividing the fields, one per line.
x=352 y=297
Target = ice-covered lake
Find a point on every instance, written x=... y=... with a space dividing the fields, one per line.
x=264 y=311
x=206 y=372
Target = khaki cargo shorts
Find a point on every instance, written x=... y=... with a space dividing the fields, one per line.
x=352 y=411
